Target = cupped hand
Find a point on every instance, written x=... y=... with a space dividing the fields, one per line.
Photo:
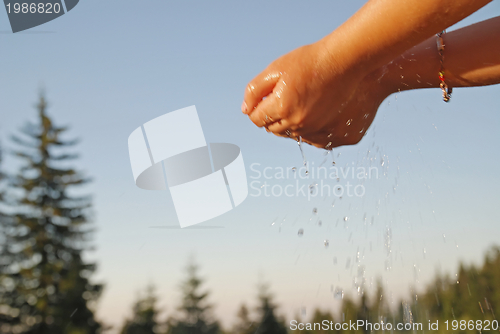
x=303 y=93
x=357 y=114
x=308 y=93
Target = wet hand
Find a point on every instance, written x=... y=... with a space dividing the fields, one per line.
x=305 y=93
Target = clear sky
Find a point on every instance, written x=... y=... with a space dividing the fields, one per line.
x=109 y=66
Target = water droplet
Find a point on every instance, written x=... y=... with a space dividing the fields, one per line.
x=388 y=240
x=346 y=134
x=348 y=122
x=294 y=169
x=320 y=223
x=299 y=142
x=365 y=116
x=328 y=145
x=361 y=131
x=407 y=313
x=326 y=243
x=301 y=232
x=333 y=204
x=333 y=163
x=338 y=293
x=346 y=218
x=315 y=210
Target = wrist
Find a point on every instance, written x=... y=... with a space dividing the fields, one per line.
x=340 y=54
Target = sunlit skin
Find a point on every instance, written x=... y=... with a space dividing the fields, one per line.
x=322 y=91
x=472 y=58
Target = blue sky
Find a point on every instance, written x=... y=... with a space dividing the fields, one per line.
x=109 y=66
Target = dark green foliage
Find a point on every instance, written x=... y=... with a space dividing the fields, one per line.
x=194 y=311
x=474 y=294
x=145 y=313
x=45 y=281
x=268 y=322
x=244 y=324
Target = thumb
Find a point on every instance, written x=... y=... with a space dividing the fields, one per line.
x=261 y=86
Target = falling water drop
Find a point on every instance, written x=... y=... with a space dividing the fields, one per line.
x=348 y=122
x=388 y=240
x=338 y=293
x=301 y=232
x=299 y=142
x=326 y=243
x=315 y=210
x=294 y=169
x=346 y=218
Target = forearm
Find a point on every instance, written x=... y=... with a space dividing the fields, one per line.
x=383 y=29
x=471 y=58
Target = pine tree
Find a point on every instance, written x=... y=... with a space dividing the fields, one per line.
x=269 y=323
x=47 y=281
x=245 y=325
x=195 y=310
x=145 y=313
x=6 y=319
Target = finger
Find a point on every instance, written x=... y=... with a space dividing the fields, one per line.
x=261 y=86
x=267 y=112
x=280 y=127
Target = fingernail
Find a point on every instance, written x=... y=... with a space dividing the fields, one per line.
x=244 y=107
